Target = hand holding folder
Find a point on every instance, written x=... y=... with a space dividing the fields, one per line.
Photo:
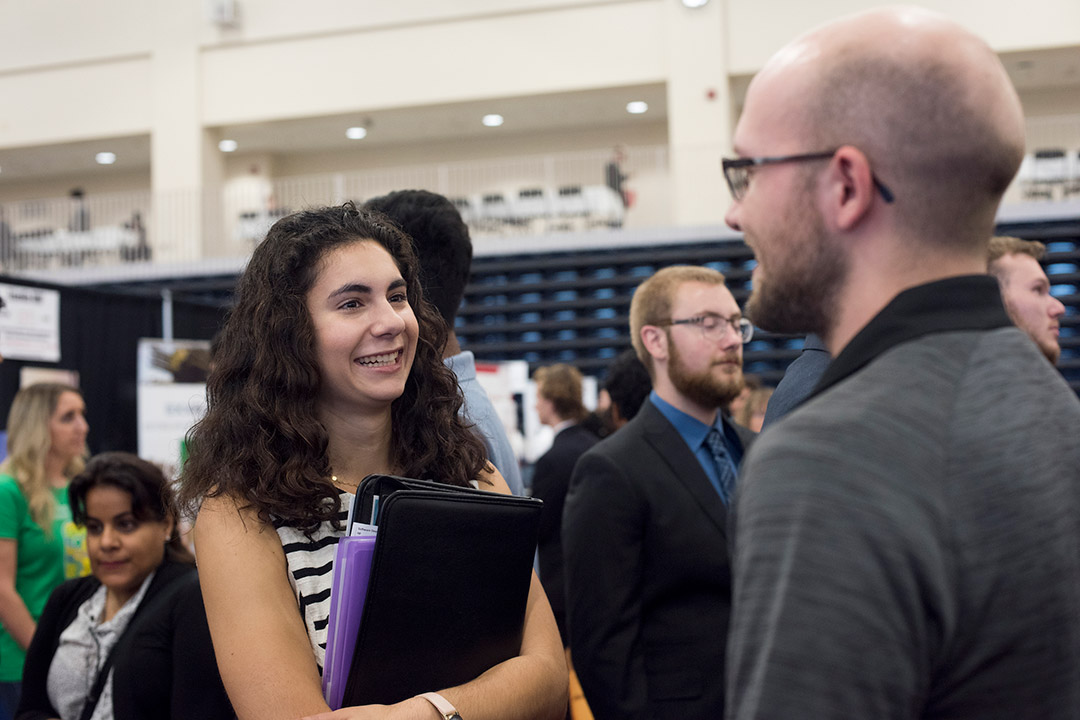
x=446 y=595
x=352 y=570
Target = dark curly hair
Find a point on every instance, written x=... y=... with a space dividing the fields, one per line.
x=261 y=440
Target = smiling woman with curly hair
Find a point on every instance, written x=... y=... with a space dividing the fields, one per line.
x=329 y=369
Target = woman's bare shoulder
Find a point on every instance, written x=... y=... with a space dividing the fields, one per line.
x=492 y=480
x=226 y=519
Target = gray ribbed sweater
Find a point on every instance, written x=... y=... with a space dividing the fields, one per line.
x=908 y=543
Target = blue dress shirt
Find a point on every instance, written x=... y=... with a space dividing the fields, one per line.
x=693 y=432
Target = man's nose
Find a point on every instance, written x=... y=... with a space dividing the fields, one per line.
x=732 y=338
x=731 y=217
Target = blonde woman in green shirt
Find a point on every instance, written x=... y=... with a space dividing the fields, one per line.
x=40 y=546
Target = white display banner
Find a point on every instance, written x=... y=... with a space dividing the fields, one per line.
x=171 y=397
x=503 y=381
x=30 y=323
x=166 y=413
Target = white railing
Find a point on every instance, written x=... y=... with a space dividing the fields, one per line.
x=144 y=232
x=40 y=234
x=1051 y=168
x=533 y=195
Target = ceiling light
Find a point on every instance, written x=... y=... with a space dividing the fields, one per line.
x=637 y=107
x=227 y=146
x=105 y=158
x=492 y=120
x=356 y=133
x=695 y=3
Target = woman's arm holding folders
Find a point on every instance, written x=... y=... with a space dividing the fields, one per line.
x=531 y=686
x=265 y=657
x=259 y=639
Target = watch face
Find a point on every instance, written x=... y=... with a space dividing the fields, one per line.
x=455 y=716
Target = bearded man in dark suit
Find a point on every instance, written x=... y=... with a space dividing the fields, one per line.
x=645 y=529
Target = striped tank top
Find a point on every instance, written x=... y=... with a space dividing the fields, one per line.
x=311 y=564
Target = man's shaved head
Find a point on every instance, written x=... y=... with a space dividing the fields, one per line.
x=929 y=104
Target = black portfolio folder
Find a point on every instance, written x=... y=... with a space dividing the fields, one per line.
x=448 y=587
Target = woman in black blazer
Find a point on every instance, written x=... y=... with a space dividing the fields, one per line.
x=142 y=600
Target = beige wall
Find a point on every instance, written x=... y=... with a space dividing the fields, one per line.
x=54 y=33
x=292 y=59
x=268 y=20
x=507 y=55
x=64 y=104
x=74 y=70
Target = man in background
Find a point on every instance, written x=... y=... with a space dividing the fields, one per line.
x=906 y=539
x=645 y=527
x=1025 y=290
x=628 y=385
x=80 y=214
x=444 y=248
x=559 y=406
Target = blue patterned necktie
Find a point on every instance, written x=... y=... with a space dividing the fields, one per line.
x=725 y=468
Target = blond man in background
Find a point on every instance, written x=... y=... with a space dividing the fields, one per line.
x=1025 y=290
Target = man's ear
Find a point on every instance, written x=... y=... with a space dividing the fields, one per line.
x=656 y=341
x=851 y=190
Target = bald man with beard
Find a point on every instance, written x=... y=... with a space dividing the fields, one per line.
x=907 y=541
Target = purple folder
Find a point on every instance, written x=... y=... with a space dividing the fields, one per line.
x=352 y=568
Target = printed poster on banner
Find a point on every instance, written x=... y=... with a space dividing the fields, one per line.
x=171 y=397
x=29 y=323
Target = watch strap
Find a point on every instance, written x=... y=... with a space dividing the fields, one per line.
x=445 y=708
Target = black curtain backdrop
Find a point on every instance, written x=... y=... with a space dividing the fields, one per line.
x=99 y=337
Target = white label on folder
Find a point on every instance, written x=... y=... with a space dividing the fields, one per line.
x=363 y=529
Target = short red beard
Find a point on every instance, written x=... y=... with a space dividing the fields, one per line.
x=703 y=387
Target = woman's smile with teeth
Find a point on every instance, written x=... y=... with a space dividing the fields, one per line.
x=378 y=360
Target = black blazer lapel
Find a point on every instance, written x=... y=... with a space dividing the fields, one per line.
x=669 y=444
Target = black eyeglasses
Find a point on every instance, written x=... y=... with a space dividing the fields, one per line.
x=737 y=171
x=713 y=326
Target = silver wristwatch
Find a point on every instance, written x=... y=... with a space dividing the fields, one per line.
x=448 y=711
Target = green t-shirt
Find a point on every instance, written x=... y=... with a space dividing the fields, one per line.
x=42 y=562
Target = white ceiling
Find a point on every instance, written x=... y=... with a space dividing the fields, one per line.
x=555 y=112
x=1039 y=69
x=75 y=159
x=562 y=111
